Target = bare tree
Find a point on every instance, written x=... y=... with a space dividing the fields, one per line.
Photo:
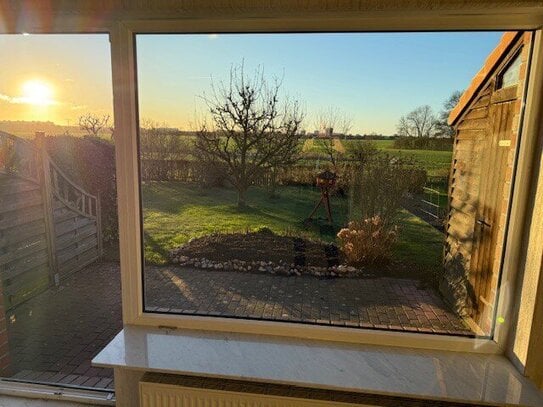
x=112 y=132
x=250 y=130
x=332 y=124
x=421 y=122
x=443 y=129
x=92 y=124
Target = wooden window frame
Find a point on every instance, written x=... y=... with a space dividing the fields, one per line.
x=122 y=37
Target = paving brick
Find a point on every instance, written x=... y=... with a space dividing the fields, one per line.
x=61 y=330
x=371 y=302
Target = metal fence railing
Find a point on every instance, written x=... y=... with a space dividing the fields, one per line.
x=431 y=203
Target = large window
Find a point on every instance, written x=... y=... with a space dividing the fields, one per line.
x=333 y=179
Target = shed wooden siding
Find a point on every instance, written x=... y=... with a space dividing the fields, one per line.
x=481 y=121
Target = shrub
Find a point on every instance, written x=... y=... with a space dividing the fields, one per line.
x=9 y=159
x=379 y=184
x=368 y=241
x=416 y=179
x=208 y=175
x=364 y=152
x=90 y=163
x=298 y=175
x=424 y=143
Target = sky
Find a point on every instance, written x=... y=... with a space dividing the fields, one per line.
x=69 y=75
x=373 y=78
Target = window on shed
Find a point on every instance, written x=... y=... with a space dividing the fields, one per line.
x=510 y=75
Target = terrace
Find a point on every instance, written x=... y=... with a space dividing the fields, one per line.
x=62 y=355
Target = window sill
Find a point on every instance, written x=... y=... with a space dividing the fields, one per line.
x=429 y=374
x=20 y=394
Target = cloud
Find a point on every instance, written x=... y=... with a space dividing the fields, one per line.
x=213 y=36
x=9 y=99
x=26 y=101
x=49 y=102
x=14 y=100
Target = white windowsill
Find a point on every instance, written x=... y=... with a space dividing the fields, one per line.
x=440 y=375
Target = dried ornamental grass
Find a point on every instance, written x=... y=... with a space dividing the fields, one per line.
x=368 y=241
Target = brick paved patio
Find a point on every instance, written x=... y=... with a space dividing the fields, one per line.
x=383 y=303
x=54 y=336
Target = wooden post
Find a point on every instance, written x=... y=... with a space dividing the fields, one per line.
x=99 y=225
x=47 y=193
x=5 y=360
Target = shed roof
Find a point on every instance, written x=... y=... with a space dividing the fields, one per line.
x=493 y=59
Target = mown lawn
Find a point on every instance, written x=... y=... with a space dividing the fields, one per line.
x=176 y=212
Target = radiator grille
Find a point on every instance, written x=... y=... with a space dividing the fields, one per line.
x=166 y=395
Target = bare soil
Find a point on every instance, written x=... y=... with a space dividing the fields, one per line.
x=263 y=245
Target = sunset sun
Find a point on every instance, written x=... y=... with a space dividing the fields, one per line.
x=36 y=92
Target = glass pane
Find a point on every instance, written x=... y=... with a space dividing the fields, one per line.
x=510 y=76
x=314 y=178
x=59 y=271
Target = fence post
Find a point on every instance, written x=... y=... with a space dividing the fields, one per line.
x=5 y=360
x=99 y=225
x=47 y=193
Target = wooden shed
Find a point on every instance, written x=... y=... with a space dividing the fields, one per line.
x=486 y=121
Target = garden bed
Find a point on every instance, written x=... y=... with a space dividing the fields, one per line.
x=264 y=251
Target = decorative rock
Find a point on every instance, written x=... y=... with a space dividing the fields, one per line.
x=281 y=268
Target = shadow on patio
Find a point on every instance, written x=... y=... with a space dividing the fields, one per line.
x=54 y=336
x=382 y=303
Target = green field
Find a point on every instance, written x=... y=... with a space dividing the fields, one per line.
x=177 y=212
x=436 y=163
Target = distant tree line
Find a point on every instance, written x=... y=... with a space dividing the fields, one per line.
x=423 y=129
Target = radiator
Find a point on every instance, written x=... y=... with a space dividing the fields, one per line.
x=172 y=395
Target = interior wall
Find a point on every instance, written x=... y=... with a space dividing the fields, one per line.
x=525 y=341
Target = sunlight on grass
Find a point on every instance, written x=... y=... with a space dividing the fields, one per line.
x=176 y=212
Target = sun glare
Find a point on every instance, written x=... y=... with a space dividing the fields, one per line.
x=36 y=92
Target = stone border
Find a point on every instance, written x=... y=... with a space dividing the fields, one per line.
x=281 y=268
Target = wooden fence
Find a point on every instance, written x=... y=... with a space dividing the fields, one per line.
x=49 y=227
